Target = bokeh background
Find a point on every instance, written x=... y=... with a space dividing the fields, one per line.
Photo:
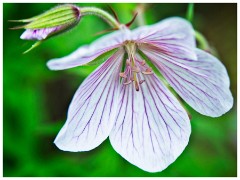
x=36 y=99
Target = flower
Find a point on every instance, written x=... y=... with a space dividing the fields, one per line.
x=52 y=22
x=145 y=122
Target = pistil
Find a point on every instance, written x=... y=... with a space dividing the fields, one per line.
x=134 y=66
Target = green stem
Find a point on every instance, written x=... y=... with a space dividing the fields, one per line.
x=190 y=12
x=203 y=44
x=102 y=14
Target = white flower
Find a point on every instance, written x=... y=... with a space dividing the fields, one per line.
x=145 y=122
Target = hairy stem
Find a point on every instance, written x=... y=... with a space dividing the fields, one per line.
x=102 y=14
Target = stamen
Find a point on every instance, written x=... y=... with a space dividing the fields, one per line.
x=123 y=75
x=143 y=62
x=148 y=71
x=127 y=82
x=134 y=65
x=136 y=81
x=140 y=80
x=135 y=69
x=136 y=86
x=128 y=62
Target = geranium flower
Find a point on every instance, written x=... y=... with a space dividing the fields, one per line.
x=145 y=122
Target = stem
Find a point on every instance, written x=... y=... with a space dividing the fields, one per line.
x=203 y=44
x=190 y=12
x=102 y=14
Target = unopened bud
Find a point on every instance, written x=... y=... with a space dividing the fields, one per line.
x=59 y=20
x=52 y=22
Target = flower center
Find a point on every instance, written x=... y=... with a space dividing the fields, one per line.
x=134 y=65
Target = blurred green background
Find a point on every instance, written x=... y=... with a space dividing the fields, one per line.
x=36 y=99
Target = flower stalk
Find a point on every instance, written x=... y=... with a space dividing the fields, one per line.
x=203 y=43
x=102 y=14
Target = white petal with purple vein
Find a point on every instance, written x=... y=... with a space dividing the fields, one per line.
x=151 y=129
x=38 y=34
x=175 y=36
x=92 y=112
x=203 y=84
x=86 y=54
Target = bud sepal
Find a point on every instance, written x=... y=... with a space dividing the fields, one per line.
x=54 y=21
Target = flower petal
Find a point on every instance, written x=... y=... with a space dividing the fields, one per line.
x=92 y=111
x=203 y=84
x=39 y=34
x=86 y=54
x=152 y=129
x=174 y=36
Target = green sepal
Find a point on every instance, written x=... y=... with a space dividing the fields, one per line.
x=61 y=15
x=52 y=21
x=46 y=14
x=36 y=44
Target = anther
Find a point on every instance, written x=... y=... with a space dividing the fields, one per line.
x=148 y=71
x=142 y=81
x=143 y=62
x=123 y=75
x=128 y=62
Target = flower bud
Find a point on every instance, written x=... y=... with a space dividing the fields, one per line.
x=52 y=22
